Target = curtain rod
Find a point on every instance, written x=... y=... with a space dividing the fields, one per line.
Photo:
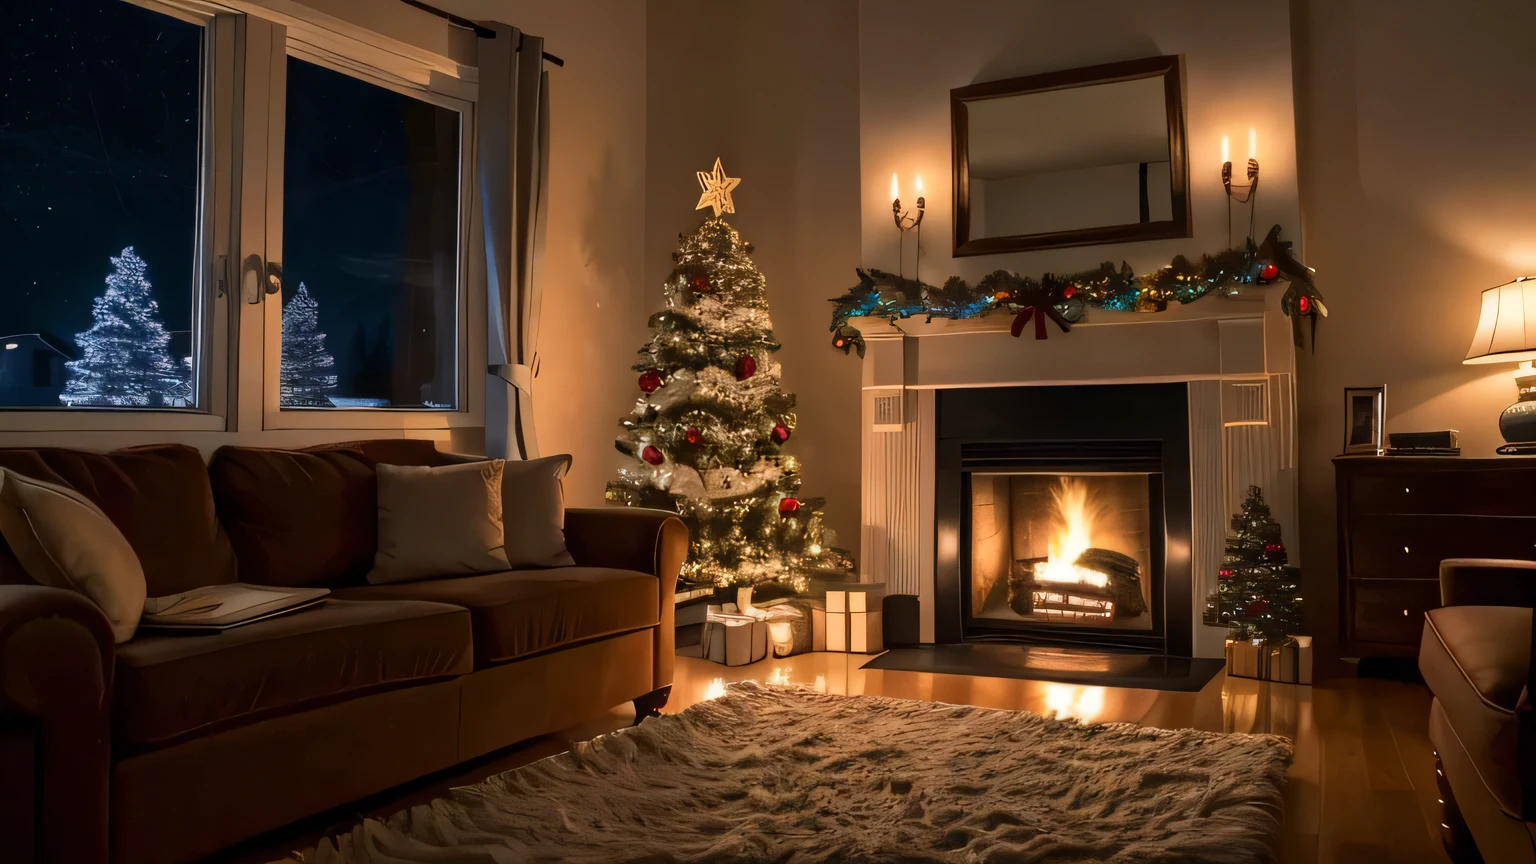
x=482 y=32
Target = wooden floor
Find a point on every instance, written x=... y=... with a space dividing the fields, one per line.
x=1361 y=788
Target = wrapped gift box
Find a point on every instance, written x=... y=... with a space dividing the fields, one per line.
x=735 y=640
x=1287 y=660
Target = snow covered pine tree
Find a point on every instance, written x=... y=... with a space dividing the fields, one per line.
x=308 y=372
x=708 y=429
x=124 y=358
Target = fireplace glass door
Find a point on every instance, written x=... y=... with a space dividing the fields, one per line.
x=1067 y=550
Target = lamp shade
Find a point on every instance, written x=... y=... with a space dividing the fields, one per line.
x=1506 y=330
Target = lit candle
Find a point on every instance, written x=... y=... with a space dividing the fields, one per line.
x=919 y=184
x=1253 y=143
x=895 y=191
x=1226 y=151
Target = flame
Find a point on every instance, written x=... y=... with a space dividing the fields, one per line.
x=1078 y=516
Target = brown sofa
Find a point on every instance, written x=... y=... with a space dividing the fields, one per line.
x=1476 y=659
x=168 y=748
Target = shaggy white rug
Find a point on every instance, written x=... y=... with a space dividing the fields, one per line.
x=775 y=774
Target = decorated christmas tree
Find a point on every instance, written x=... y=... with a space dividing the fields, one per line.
x=308 y=373
x=708 y=430
x=125 y=359
x=1257 y=595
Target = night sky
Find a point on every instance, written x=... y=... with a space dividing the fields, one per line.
x=99 y=150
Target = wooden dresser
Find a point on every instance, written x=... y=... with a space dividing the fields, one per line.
x=1400 y=516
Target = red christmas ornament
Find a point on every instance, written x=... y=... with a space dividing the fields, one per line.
x=746 y=367
x=652 y=455
x=788 y=506
x=1304 y=304
x=693 y=435
x=650 y=381
x=1269 y=271
x=839 y=342
x=1225 y=574
x=701 y=284
x=780 y=433
x=1256 y=608
x=1068 y=291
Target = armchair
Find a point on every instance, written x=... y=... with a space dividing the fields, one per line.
x=1476 y=657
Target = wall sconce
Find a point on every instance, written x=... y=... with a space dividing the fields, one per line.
x=905 y=222
x=1243 y=193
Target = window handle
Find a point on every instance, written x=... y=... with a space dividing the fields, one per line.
x=222 y=277
x=274 y=277
x=250 y=279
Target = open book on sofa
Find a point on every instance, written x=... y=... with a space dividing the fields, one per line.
x=214 y=608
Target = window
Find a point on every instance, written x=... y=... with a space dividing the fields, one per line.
x=371 y=241
x=101 y=223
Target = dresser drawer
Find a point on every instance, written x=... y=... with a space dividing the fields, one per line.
x=1492 y=491
x=1412 y=546
x=1390 y=610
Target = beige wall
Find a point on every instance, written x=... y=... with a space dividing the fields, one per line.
x=1415 y=134
x=913 y=52
x=595 y=299
x=771 y=87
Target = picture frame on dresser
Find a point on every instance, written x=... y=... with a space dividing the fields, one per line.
x=1364 y=408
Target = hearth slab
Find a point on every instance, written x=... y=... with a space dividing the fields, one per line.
x=1064 y=665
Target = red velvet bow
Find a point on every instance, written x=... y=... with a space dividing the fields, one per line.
x=1037 y=301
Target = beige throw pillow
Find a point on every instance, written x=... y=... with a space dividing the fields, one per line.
x=65 y=541
x=439 y=522
x=533 y=510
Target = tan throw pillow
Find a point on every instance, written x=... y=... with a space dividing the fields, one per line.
x=533 y=511
x=438 y=522
x=65 y=541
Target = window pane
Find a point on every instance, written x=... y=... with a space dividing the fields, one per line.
x=99 y=134
x=370 y=246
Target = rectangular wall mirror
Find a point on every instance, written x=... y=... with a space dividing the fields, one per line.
x=1073 y=158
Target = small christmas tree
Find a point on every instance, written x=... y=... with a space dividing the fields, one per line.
x=308 y=373
x=124 y=358
x=708 y=429
x=1257 y=595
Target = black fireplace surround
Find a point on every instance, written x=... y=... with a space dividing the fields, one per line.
x=1071 y=429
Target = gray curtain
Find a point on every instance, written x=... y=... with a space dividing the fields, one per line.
x=512 y=166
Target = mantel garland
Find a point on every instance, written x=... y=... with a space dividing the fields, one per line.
x=885 y=295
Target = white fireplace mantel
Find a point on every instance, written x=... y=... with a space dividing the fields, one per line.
x=1235 y=355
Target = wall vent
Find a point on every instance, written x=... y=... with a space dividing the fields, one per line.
x=888 y=412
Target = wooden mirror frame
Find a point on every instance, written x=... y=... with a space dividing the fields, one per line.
x=1170 y=68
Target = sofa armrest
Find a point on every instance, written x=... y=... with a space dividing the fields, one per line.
x=1487 y=582
x=629 y=538
x=56 y=660
x=634 y=538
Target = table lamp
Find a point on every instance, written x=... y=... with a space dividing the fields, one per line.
x=1506 y=333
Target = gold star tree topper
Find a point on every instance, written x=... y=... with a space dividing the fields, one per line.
x=717 y=190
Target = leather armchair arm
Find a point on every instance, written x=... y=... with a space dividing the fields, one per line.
x=1487 y=582
x=56 y=661
x=633 y=538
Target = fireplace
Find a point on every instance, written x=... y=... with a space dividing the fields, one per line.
x=1067 y=548
x=1069 y=509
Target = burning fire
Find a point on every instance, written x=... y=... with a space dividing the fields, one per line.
x=1076 y=537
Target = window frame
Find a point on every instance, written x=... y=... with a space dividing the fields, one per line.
x=438 y=90
x=211 y=323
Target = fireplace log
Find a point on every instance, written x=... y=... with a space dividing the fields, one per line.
x=1124 y=574
x=1021 y=585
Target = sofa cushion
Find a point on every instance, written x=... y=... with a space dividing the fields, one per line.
x=65 y=541
x=1474 y=659
x=157 y=495
x=523 y=612
x=295 y=518
x=393 y=451
x=439 y=521
x=172 y=687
